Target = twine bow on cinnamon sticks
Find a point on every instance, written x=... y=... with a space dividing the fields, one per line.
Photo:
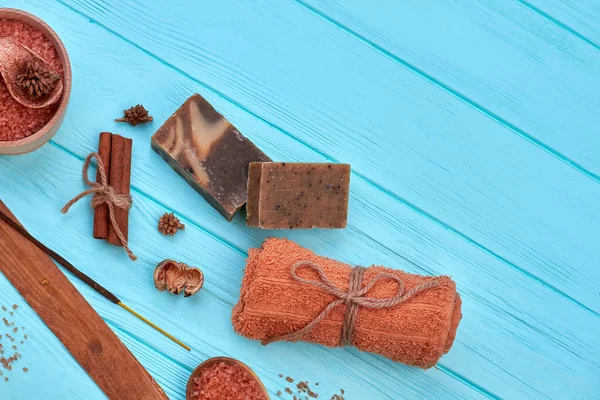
x=104 y=194
x=353 y=298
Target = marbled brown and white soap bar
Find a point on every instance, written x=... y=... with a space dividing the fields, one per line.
x=209 y=153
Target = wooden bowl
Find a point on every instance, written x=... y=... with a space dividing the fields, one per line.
x=227 y=360
x=42 y=136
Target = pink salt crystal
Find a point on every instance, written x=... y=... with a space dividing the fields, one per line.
x=17 y=121
x=226 y=381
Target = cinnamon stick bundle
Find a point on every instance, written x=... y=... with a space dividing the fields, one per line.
x=115 y=152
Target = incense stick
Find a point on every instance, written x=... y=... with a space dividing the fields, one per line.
x=84 y=278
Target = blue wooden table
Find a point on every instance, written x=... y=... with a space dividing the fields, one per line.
x=473 y=130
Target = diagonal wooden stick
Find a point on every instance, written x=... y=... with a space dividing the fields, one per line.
x=86 y=279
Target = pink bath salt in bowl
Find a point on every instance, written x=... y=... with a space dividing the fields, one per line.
x=24 y=129
x=225 y=378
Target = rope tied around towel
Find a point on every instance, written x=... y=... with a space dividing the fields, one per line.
x=354 y=298
x=104 y=194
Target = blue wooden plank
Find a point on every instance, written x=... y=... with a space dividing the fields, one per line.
x=440 y=157
x=441 y=252
x=52 y=372
x=502 y=58
x=494 y=345
x=513 y=344
x=580 y=17
x=202 y=321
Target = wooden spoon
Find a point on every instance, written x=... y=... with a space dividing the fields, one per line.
x=216 y=360
x=14 y=57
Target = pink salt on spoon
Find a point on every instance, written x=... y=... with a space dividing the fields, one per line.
x=14 y=59
x=225 y=378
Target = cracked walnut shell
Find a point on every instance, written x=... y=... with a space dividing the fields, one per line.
x=175 y=276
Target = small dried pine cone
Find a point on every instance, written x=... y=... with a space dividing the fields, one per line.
x=135 y=115
x=169 y=224
x=36 y=80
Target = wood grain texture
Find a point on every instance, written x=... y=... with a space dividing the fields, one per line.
x=519 y=338
x=410 y=138
x=580 y=17
x=440 y=253
x=506 y=61
x=204 y=320
x=64 y=310
x=45 y=357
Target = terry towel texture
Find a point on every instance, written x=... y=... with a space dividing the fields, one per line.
x=416 y=332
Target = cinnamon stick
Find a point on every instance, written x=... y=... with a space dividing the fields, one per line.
x=120 y=176
x=101 y=220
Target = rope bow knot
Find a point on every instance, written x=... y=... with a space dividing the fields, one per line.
x=353 y=298
x=104 y=194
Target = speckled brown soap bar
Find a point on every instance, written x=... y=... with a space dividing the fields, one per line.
x=209 y=153
x=298 y=195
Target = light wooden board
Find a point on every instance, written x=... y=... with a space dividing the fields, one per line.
x=520 y=338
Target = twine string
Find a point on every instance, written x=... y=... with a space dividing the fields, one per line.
x=354 y=298
x=103 y=194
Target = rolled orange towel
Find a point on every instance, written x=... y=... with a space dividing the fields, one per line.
x=287 y=287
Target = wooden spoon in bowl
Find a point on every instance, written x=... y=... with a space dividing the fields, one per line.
x=15 y=60
x=226 y=360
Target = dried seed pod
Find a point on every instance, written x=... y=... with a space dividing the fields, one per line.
x=36 y=80
x=135 y=115
x=175 y=276
x=169 y=224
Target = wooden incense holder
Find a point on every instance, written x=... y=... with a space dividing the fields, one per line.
x=71 y=318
